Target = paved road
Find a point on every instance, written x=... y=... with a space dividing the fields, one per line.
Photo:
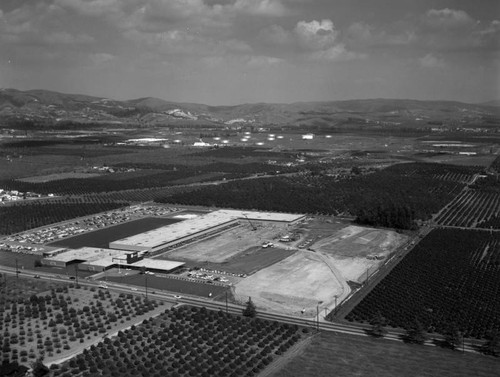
x=317 y=323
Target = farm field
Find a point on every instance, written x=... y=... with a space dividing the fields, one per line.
x=187 y=341
x=225 y=245
x=170 y=284
x=63 y=320
x=472 y=208
x=417 y=288
x=342 y=355
x=356 y=250
x=102 y=237
x=55 y=177
x=294 y=284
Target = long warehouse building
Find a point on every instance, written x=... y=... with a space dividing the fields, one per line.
x=184 y=230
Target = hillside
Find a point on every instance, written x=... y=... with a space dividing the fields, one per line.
x=42 y=106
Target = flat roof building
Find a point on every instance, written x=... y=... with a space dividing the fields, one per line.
x=162 y=237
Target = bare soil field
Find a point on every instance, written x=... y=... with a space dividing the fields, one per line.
x=354 y=250
x=296 y=285
x=223 y=246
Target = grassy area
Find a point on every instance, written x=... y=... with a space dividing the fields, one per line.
x=340 y=355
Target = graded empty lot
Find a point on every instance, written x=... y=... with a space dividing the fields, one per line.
x=354 y=250
x=301 y=281
x=222 y=246
x=102 y=237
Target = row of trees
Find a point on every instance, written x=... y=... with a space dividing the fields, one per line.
x=18 y=218
x=467 y=294
x=453 y=337
x=393 y=197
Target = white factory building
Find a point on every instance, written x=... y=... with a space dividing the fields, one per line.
x=182 y=231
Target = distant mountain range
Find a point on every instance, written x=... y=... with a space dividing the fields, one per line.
x=42 y=106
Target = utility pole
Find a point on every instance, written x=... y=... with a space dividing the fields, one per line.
x=226 y=304
x=317 y=317
x=17 y=270
x=146 y=286
x=76 y=274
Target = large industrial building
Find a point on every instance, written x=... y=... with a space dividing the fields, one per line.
x=98 y=259
x=182 y=231
x=128 y=252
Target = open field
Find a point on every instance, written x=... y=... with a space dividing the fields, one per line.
x=55 y=177
x=296 y=283
x=355 y=249
x=170 y=284
x=341 y=355
x=223 y=246
x=102 y=237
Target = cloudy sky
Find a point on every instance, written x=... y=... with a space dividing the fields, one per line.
x=240 y=51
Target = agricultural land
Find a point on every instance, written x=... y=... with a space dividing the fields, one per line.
x=354 y=218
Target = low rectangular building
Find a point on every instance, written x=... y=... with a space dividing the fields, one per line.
x=184 y=230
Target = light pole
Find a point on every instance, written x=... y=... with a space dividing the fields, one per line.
x=336 y=297
x=17 y=270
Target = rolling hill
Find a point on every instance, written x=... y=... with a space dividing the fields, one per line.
x=48 y=106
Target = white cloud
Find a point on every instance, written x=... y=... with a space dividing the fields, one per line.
x=316 y=35
x=431 y=61
x=448 y=18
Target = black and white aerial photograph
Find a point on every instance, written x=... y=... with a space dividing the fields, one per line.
x=249 y=188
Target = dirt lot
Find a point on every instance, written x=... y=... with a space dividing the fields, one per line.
x=354 y=250
x=298 y=282
x=225 y=245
